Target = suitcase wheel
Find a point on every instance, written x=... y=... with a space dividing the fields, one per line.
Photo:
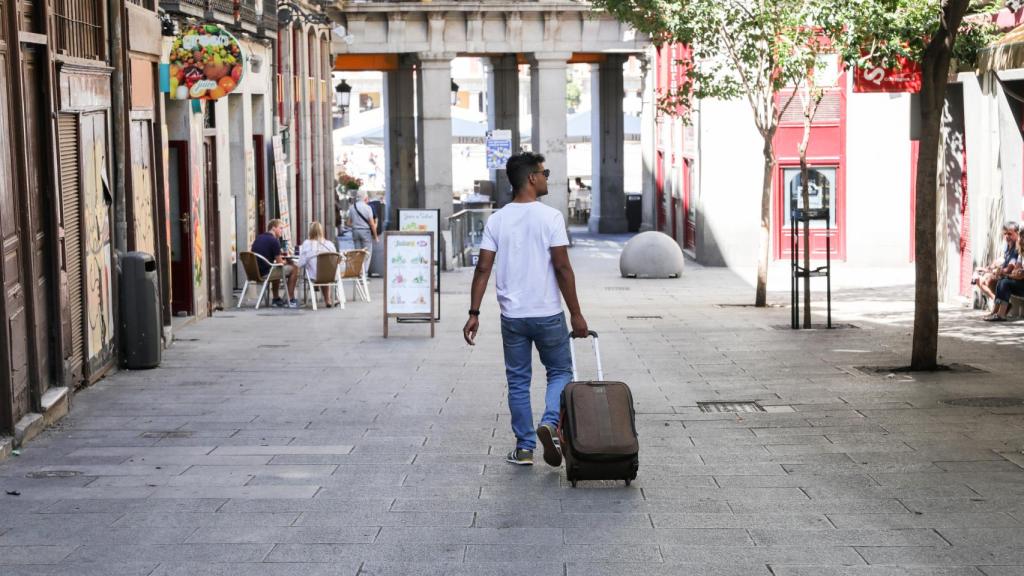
x=573 y=483
x=628 y=481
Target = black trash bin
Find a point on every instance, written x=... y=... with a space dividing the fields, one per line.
x=141 y=333
x=634 y=211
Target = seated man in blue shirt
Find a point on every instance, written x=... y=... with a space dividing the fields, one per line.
x=268 y=245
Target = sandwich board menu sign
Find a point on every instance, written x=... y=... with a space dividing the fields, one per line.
x=413 y=220
x=409 y=277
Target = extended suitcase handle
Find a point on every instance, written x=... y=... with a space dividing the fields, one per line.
x=597 y=353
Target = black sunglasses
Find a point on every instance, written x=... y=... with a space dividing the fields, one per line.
x=545 y=172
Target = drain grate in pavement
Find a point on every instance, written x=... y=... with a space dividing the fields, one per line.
x=167 y=434
x=730 y=407
x=990 y=402
x=617 y=288
x=54 y=474
x=644 y=318
x=273 y=345
x=835 y=326
x=886 y=370
x=749 y=306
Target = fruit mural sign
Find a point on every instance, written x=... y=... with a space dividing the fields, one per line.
x=206 y=63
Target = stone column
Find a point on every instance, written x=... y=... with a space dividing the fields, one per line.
x=608 y=200
x=400 y=131
x=435 y=134
x=547 y=89
x=503 y=114
x=648 y=143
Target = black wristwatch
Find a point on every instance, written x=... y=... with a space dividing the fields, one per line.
x=473 y=312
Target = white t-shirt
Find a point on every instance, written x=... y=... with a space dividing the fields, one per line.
x=522 y=235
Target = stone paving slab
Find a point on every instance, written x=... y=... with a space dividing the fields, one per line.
x=264 y=447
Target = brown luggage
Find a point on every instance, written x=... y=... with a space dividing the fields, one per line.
x=597 y=428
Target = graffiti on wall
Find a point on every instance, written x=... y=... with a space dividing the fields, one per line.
x=198 y=236
x=97 y=198
x=142 y=189
x=250 y=197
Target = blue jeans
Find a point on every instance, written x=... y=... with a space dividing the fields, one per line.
x=551 y=336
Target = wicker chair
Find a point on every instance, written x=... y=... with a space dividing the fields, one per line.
x=250 y=263
x=355 y=272
x=327 y=274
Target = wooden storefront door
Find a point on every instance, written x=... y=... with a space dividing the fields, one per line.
x=14 y=365
x=42 y=286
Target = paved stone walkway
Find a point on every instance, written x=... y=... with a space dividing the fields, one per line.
x=277 y=442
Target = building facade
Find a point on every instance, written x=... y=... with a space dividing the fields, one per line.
x=861 y=157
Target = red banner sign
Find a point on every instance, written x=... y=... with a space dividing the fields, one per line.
x=906 y=78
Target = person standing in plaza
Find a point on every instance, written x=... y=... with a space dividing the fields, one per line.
x=364 y=226
x=526 y=244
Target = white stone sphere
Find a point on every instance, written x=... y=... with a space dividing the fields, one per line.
x=651 y=255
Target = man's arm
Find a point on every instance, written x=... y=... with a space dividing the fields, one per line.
x=481 y=276
x=567 y=284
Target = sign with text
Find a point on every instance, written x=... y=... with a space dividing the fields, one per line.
x=409 y=277
x=205 y=63
x=904 y=78
x=499 y=148
x=412 y=220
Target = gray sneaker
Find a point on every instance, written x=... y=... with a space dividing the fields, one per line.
x=548 y=437
x=293 y=304
x=520 y=457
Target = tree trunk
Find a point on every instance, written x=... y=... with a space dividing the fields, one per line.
x=805 y=198
x=761 y=297
x=934 y=76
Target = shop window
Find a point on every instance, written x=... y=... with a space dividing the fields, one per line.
x=79 y=28
x=821 y=191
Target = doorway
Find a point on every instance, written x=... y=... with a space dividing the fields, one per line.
x=261 y=183
x=216 y=300
x=182 y=297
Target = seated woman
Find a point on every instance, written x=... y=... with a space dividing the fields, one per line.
x=1010 y=283
x=989 y=276
x=310 y=249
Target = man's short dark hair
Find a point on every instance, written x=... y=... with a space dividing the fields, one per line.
x=519 y=167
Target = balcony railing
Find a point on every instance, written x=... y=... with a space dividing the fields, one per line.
x=147 y=4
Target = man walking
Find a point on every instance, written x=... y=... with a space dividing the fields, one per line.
x=364 y=226
x=526 y=243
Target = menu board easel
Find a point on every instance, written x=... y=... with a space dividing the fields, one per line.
x=409 y=277
x=425 y=220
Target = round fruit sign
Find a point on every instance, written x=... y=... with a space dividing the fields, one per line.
x=206 y=63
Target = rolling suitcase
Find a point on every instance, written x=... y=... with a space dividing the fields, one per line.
x=597 y=428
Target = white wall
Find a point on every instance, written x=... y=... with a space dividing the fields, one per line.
x=878 y=180
x=730 y=185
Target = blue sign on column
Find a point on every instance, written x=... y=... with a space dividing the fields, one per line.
x=499 y=148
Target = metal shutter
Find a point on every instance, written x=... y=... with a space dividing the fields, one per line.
x=828 y=109
x=69 y=141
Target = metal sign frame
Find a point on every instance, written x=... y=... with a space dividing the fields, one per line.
x=424 y=317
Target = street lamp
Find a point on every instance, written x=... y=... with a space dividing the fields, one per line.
x=455 y=93
x=342 y=95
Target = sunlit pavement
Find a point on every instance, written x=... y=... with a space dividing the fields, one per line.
x=282 y=442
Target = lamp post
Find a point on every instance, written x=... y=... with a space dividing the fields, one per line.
x=455 y=93
x=342 y=95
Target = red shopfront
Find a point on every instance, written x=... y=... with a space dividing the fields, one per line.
x=674 y=159
x=826 y=163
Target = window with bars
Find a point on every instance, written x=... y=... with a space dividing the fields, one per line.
x=79 y=28
x=3 y=23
